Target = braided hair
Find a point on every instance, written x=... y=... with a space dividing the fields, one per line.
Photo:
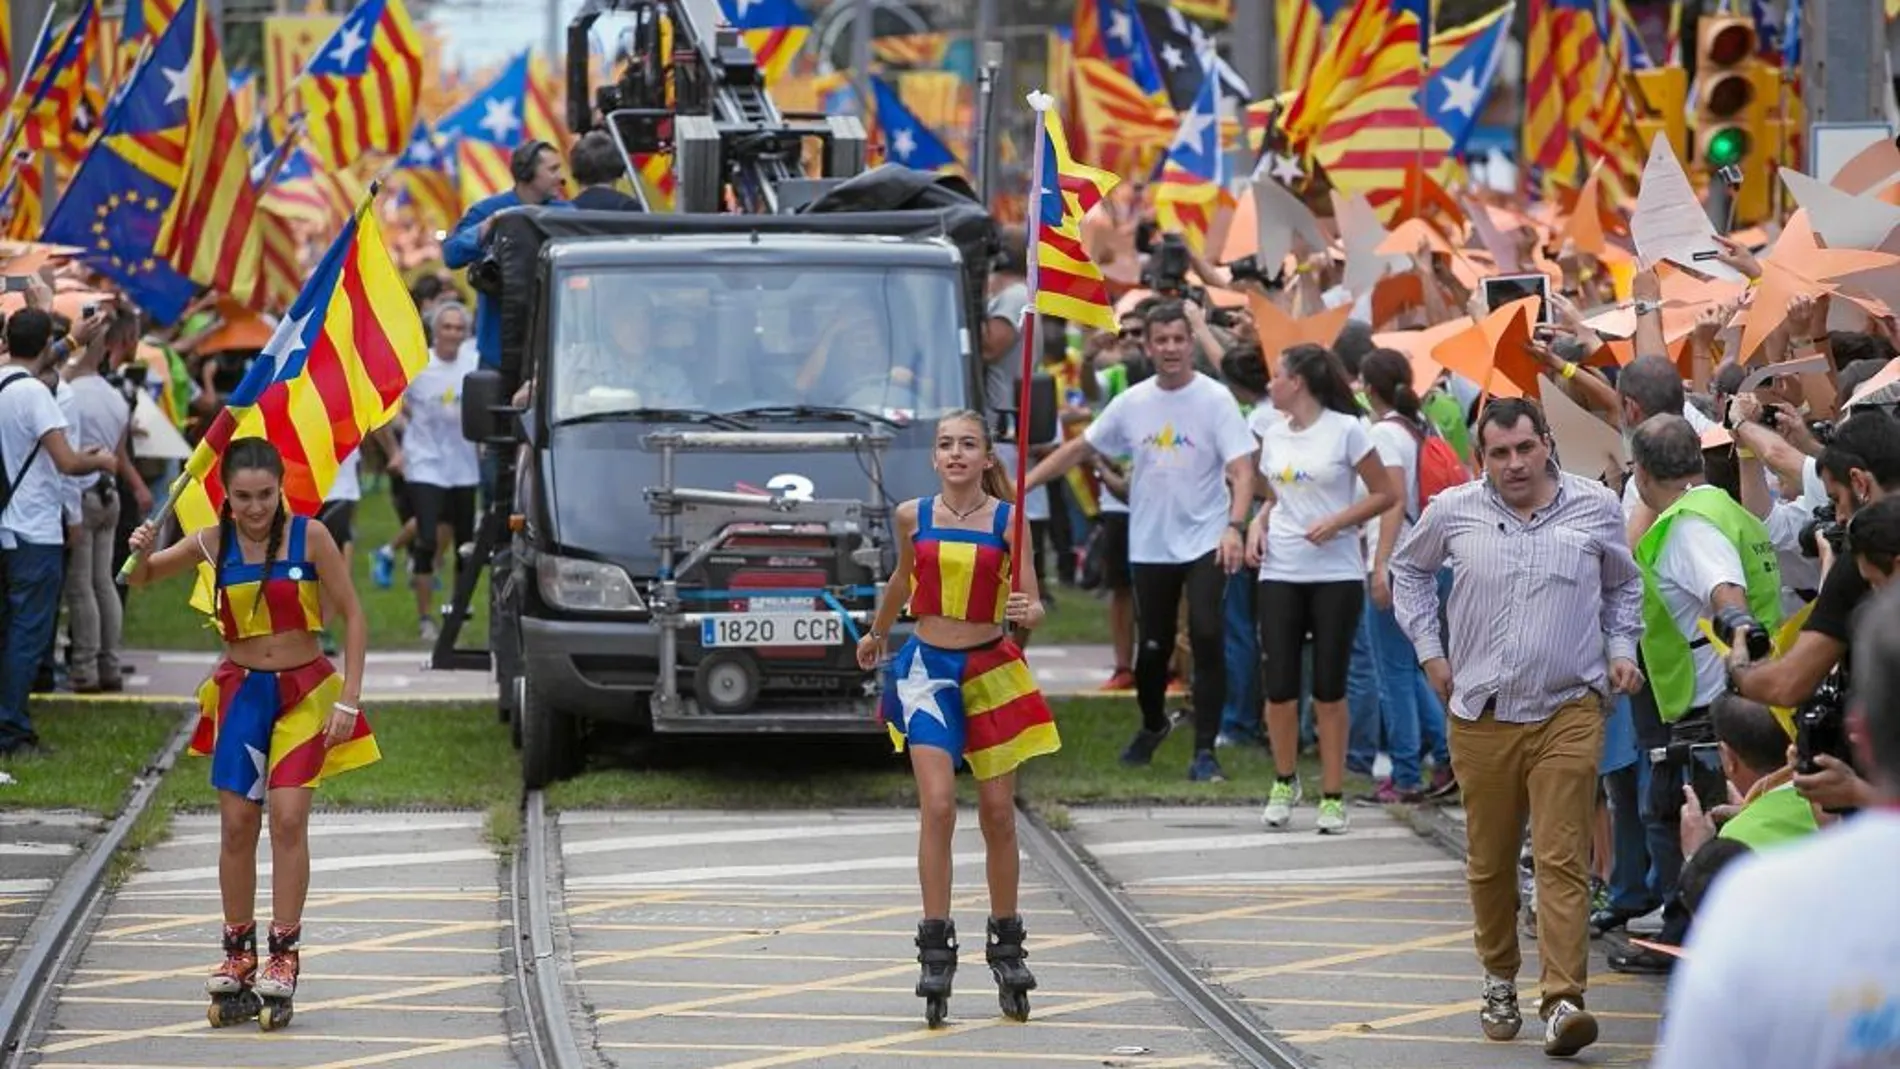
x=248 y=454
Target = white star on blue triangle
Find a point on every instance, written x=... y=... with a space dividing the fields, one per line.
x=1456 y=93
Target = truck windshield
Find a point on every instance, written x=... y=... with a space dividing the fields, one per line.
x=728 y=338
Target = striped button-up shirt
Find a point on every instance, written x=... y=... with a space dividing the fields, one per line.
x=1538 y=607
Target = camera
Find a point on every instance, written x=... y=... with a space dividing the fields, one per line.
x=1740 y=628
x=1820 y=725
x=1824 y=525
x=1168 y=266
x=1248 y=267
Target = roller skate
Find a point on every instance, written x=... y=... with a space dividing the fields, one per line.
x=1006 y=955
x=277 y=983
x=232 y=999
x=937 y=953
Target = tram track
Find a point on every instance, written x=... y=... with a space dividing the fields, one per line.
x=1228 y=1022
x=49 y=942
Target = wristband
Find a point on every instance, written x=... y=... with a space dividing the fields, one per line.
x=342 y=708
x=1569 y=370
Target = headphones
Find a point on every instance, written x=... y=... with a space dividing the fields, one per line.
x=522 y=164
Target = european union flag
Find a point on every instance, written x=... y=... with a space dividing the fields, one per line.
x=1454 y=96
x=114 y=205
x=906 y=139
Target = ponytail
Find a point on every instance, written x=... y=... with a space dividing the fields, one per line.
x=1324 y=375
x=1388 y=377
x=997 y=482
x=227 y=537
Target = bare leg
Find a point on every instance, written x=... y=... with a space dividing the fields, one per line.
x=937 y=810
x=1330 y=720
x=996 y=811
x=1121 y=627
x=239 y=819
x=290 y=853
x=1283 y=733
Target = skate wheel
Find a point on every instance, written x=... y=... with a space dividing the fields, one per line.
x=1015 y=1004
x=935 y=1010
x=273 y=1016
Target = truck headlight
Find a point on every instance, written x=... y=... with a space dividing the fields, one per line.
x=586 y=585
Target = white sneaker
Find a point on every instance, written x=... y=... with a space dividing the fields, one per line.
x=1280 y=802
x=1332 y=818
x=1649 y=924
x=1568 y=1029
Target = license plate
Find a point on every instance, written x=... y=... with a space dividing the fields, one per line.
x=772 y=629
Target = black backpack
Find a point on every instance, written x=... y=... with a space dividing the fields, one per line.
x=6 y=477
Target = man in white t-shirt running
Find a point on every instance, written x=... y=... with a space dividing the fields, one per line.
x=1795 y=955
x=441 y=466
x=1190 y=492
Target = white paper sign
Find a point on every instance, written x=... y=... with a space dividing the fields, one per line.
x=1811 y=365
x=153 y=436
x=1842 y=220
x=1669 y=223
x=1279 y=216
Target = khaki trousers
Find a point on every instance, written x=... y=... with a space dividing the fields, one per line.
x=1548 y=772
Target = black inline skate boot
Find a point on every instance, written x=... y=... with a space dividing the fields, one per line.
x=937 y=953
x=1006 y=956
x=277 y=983
x=232 y=999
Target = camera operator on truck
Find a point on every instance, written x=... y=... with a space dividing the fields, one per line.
x=1705 y=557
x=1860 y=467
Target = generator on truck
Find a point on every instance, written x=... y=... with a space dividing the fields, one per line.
x=703 y=419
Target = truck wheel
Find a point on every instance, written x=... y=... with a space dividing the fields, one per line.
x=504 y=638
x=550 y=741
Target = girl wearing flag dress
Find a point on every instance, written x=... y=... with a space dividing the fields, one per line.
x=960 y=692
x=276 y=718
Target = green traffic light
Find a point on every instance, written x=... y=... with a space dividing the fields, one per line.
x=1725 y=147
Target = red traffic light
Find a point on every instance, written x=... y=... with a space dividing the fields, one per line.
x=1729 y=41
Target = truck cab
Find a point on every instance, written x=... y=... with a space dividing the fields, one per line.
x=721 y=415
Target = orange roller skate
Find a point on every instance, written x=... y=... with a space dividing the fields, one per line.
x=277 y=982
x=233 y=1001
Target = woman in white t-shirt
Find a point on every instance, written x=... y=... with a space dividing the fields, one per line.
x=1312 y=570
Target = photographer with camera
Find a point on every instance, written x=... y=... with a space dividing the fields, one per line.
x=1705 y=557
x=1858 y=468
x=1793 y=959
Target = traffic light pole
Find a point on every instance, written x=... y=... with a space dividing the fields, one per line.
x=1845 y=61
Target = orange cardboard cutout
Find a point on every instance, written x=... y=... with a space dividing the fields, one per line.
x=1494 y=354
x=1279 y=331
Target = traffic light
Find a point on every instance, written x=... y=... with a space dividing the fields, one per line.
x=1725 y=93
x=1731 y=109
x=1664 y=109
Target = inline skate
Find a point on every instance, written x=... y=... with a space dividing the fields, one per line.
x=232 y=999
x=937 y=953
x=277 y=983
x=1006 y=956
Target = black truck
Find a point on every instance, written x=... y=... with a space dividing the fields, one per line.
x=692 y=523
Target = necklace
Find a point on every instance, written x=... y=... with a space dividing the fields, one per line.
x=964 y=514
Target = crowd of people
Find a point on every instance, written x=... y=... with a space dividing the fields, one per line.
x=1634 y=679
x=1611 y=672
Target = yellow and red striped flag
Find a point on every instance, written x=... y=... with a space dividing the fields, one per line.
x=1302 y=26
x=207 y=232
x=360 y=89
x=1063 y=280
x=44 y=113
x=23 y=199
x=335 y=369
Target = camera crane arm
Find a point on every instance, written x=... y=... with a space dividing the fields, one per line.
x=707 y=104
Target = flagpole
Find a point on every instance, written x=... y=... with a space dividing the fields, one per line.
x=16 y=124
x=1031 y=331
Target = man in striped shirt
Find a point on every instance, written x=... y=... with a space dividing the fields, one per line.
x=1545 y=612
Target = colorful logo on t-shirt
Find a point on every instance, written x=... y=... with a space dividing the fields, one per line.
x=1168 y=447
x=1872 y=1034
x=1290 y=475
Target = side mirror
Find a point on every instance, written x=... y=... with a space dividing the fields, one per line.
x=486 y=415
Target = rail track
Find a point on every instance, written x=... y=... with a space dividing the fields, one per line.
x=1229 y=1027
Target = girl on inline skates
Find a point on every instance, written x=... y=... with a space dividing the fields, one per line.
x=275 y=717
x=960 y=691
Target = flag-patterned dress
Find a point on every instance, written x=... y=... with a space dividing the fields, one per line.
x=979 y=703
x=261 y=729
